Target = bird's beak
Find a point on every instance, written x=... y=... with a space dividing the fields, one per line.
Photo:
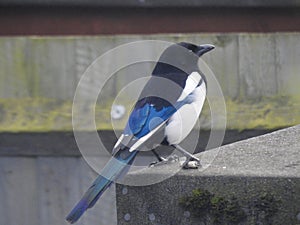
x=204 y=48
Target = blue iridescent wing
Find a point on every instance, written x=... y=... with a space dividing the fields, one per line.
x=146 y=116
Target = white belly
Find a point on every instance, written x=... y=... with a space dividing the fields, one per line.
x=183 y=121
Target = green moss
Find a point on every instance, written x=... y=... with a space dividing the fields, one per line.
x=34 y=115
x=233 y=211
x=203 y=203
x=258 y=209
x=199 y=203
x=266 y=205
x=265 y=113
x=218 y=207
x=43 y=114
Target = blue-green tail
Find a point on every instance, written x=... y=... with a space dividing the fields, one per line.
x=112 y=171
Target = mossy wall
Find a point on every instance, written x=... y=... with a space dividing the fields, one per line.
x=259 y=75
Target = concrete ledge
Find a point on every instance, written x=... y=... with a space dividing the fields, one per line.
x=255 y=181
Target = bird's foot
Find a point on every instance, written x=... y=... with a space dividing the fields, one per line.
x=191 y=163
x=170 y=159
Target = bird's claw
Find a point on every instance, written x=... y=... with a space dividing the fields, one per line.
x=191 y=163
x=170 y=159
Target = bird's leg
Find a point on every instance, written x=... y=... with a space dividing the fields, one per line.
x=191 y=162
x=160 y=159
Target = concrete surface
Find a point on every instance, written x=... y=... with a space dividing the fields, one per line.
x=247 y=170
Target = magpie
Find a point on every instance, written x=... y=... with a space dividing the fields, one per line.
x=165 y=113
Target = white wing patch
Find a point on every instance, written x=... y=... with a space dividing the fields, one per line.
x=182 y=122
x=190 y=85
x=146 y=137
x=119 y=141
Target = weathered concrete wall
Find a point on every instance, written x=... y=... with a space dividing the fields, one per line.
x=259 y=75
x=255 y=181
x=42 y=190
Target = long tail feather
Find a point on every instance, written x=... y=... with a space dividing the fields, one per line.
x=110 y=173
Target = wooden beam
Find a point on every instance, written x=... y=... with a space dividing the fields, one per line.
x=99 y=20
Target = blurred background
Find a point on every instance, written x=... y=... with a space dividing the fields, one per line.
x=47 y=45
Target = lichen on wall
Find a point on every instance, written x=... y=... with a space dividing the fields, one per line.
x=208 y=206
x=45 y=114
x=258 y=74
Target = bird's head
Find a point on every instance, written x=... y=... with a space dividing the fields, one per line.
x=184 y=51
x=199 y=50
x=182 y=56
